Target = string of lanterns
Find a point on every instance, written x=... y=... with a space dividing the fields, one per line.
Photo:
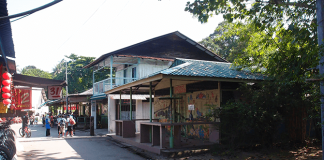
x=6 y=82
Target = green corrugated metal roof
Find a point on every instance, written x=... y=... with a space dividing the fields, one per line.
x=200 y=68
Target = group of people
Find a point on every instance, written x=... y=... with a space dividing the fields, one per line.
x=65 y=124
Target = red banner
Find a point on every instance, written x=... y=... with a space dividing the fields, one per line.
x=22 y=99
x=72 y=107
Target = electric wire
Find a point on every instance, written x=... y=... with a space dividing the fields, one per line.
x=83 y=23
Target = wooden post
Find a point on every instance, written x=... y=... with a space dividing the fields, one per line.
x=119 y=105
x=130 y=103
x=150 y=101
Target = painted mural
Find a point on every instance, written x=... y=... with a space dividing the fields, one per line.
x=201 y=100
x=162 y=109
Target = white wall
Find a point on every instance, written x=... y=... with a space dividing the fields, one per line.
x=142 y=112
x=111 y=115
x=148 y=66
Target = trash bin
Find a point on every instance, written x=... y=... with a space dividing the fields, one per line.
x=91 y=126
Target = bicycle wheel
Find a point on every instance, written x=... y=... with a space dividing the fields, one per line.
x=8 y=147
x=11 y=131
x=4 y=153
x=21 y=132
x=11 y=145
x=28 y=133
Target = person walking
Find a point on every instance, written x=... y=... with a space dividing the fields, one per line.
x=69 y=125
x=57 y=122
x=62 y=124
x=24 y=122
x=52 y=120
x=43 y=119
x=48 y=126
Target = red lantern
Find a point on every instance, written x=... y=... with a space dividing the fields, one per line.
x=6 y=89
x=6 y=82
x=6 y=95
x=6 y=101
x=6 y=75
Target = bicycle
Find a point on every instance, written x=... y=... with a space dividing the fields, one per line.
x=7 y=141
x=27 y=132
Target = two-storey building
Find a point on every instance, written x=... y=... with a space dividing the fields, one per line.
x=136 y=62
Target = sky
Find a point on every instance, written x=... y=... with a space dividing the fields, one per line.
x=95 y=27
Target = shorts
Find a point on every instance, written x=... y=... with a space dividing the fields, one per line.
x=62 y=130
x=69 y=129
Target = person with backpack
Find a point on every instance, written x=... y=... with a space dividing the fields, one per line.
x=61 y=124
x=70 y=123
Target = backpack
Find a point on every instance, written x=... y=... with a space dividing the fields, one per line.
x=62 y=124
x=72 y=121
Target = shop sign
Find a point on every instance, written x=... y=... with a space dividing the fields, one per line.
x=23 y=99
x=72 y=107
x=54 y=92
x=179 y=89
x=191 y=107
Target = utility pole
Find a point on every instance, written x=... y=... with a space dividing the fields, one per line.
x=320 y=36
x=67 y=91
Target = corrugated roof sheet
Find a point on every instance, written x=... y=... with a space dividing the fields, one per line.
x=169 y=46
x=200 y=68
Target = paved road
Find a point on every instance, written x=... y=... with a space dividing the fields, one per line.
x=81 y=146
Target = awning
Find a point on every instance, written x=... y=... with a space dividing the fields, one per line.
x=134 y=96
x=23 y=80
x=97 y=97
x=49 y=102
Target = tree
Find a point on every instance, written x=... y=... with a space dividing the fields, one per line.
x=225 y=41
x=33 y=71
x=79 y=78
x=282 y=43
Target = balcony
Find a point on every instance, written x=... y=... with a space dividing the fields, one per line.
x=102 y=86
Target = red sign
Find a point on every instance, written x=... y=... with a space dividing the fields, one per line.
x=22 y=99
x=72 y=107
x=54 y=92
x=179 y=89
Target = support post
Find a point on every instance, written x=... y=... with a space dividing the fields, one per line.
x=150 y=132
x=119 y=105
x=111 y=70
x=171 y=115
x=320 y=37
x=130 y=103
x=150 y=101
x=67 y=89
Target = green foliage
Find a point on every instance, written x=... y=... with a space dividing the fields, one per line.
x=255 y=120
x=79 y=78
x=225 y=41
x=33 y=71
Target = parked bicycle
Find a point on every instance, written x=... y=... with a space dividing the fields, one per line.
x=27 y=132
x=7 y=141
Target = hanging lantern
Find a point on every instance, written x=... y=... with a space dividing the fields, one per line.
x=6 y=95
x=6 y=82
x=6 y=89
x=6 y=101
x=6 y=75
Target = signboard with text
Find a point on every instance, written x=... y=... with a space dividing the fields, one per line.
x=72 y=107
x=54 y=92
x=179 y=89
x=23 y=99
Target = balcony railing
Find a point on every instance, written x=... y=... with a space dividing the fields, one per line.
x=104 y=85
